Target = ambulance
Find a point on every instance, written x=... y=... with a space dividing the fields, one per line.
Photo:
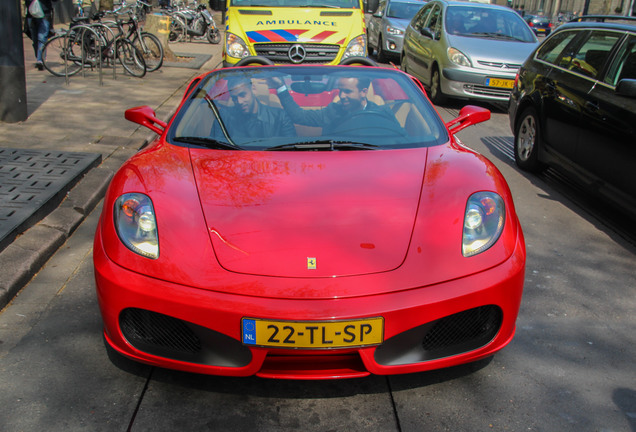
x=294 y=31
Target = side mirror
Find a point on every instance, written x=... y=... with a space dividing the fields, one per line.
x=468 y=116
x=427 y=32
x=626 y=87
x=145 y=116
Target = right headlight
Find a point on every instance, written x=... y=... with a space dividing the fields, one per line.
x=235 y=46
x=483 y=222
x=458 y=57
x=136 y=224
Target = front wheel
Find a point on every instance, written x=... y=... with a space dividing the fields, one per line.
x=527 y=142
x=130 y=58
x=178 y=30
x=151 y=49
x=62 y=56
x=382 y=57
x=437 y=96
x=214 y=35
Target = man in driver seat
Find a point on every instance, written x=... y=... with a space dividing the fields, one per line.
x=251 y=118
x=352 y=101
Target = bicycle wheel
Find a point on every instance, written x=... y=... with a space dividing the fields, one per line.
x=130 y=58
x=177 y=30
x=151 y=49
x=62 y=56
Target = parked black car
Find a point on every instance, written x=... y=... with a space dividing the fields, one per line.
x=573 y=106
x=540 y=25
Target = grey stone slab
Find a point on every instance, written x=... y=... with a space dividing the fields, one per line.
x=64 y=218
x=57 y=375
x=194 y=60
x=208 y=403
x=21 y=260
x=90 y=191
x=34 y=182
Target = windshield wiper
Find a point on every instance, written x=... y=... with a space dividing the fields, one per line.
x=207 y=143
x=325 y=145
x=494 y=35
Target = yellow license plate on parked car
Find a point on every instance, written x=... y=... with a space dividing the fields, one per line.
x=312 y=334
x=504 y=83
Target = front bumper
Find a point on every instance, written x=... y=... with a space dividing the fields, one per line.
x=393 y=44
x=168 y=325
x=474 y=85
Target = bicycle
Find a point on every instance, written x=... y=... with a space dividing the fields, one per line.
x=90 y=45
x=147 y=43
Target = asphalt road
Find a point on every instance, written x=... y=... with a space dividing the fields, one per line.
x=569 y=368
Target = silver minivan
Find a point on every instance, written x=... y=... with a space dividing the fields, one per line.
x=466 y=50
x=385 y=29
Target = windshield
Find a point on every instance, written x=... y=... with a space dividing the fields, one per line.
x=403 y=10
x=307 y=108
x=337 y=4
x=487 y=22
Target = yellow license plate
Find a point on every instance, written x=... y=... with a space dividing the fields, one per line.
x=312 y=334
x=504 y=83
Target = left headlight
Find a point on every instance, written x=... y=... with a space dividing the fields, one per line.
x=394 y=31
x=483 y=222
x=136 y=224
x=356 y=48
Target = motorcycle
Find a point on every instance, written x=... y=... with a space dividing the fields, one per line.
x=193 y=23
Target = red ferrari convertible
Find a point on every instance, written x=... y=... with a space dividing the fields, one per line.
x=308 y=223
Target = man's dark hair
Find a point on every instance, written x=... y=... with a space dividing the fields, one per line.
x=238 y=81
x=363 y=82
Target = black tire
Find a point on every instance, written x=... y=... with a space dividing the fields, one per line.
x=62 y=56
x=369 y=47
x=213 y=35
x=527 y=141
x=435 y=91
x=381 y=57
x=151 y=49
x=130 y=58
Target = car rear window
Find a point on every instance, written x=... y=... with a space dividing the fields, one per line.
x=553 y=47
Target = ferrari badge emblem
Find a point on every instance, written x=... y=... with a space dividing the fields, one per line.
x=311 y=263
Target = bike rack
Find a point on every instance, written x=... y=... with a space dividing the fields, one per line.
x=81 y=32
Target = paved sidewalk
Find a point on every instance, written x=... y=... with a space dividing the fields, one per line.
x=85 y=118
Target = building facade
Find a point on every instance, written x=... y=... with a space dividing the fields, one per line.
x=552 y=8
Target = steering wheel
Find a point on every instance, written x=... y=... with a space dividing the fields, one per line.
x=370 y=123
x=254 y=60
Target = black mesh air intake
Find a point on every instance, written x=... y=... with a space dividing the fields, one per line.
x=476 y=326
x=144 y=328
x=451 y=335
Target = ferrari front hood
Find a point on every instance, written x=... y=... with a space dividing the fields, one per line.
x=309 y=214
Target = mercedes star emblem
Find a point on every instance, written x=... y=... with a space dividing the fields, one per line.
x=297 y=53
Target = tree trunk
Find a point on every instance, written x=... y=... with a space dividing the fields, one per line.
x=159 y=25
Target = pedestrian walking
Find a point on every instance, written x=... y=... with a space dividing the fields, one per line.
x=39 y=26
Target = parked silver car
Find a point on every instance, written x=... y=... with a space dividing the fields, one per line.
x=466 y=50
x=385 y=29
